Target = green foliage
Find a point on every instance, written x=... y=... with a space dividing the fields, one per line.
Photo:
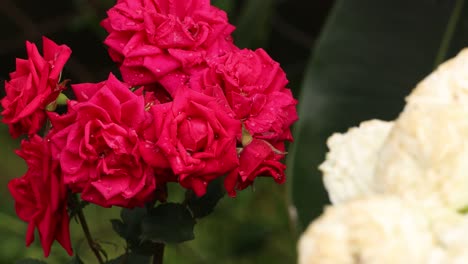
x=203 y=206
x=168 y=223
x=129 y=228
x=30 y=261
x=76 y=260
x=130 y=258
x=368 y=58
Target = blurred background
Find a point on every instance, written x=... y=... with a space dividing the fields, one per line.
x=347 y=61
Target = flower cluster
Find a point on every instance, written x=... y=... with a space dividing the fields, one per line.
x=192 y=107
x=416 y=163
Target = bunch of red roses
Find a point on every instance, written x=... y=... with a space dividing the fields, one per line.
x=192 y=107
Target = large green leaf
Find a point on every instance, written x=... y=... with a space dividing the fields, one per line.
x=368 y=58
x=203 y=206
x=168 y=223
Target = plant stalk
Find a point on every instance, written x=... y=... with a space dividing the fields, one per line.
x=84 y=225
x=449 y=32
x=158 y=253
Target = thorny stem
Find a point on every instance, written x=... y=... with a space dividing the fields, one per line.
x=84 y=225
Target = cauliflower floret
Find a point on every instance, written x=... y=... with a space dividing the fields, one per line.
x=426 y=153
x=375 y=230
x=348 y=170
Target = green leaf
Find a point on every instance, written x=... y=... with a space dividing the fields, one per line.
x=30 y=261
x=130 y=225
x=129 y=228
x=168 y=223
x=76 y=260
x=253 y=26
x=368 y=58
x=119 y=227
x=203 y=206
x=75 y=205
x=130 y=258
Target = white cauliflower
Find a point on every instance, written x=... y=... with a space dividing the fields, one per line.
x=398 y=186
x=422 y=156
x=348 y=170
x=384 y=229
x=376 y=230
x=425 y=157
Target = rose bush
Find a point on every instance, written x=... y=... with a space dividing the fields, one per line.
x=40 y=196
x=150 y=39
x=96 y=143
x=197 y=135
x=258 y=158
x=33 y=86
x=193 y=108
x=254 y=86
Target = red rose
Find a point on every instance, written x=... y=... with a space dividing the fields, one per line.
x=258 y=158
x=96 y=143
x=151 y=38
x=255 y=87
x=195 y=135
x=32 y=87
x=40 y=196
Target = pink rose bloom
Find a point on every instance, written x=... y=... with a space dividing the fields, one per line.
x=259 y=158
x=41 y=197
x=151 y=38
x=32 y=87
x=255 y=88
x=195 y=135
x=96 y=143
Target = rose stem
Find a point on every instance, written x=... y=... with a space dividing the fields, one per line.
x=84 y=225
x=158 y=253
